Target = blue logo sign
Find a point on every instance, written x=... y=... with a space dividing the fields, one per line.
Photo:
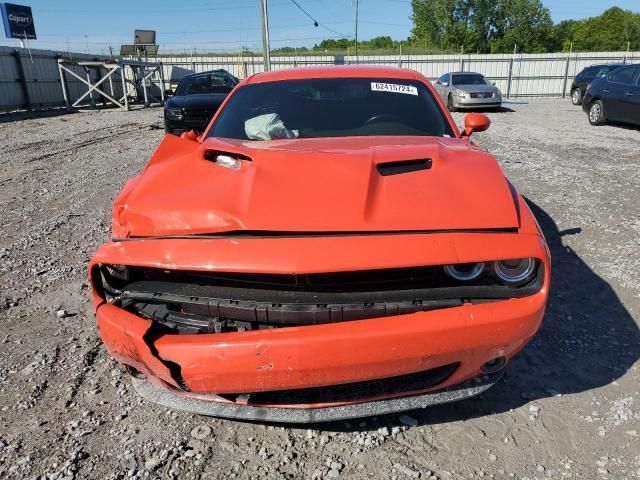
x=18 y=21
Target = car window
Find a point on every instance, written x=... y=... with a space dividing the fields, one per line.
x=624 y=76
x=602 y=71
x=468 y=79
x=443 y=78
x=331 y=107
x=216 y=82
x=589 y=71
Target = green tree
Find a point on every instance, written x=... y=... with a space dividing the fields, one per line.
x=482 y=16
x=333 y=44
x=562 y=36
x=608 y=32
x=439 y=24
x=379 y=43
x=526 y=24
x=482 y=25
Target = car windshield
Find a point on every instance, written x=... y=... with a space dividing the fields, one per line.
x=335 y=107
x=468 y=79
x=206 y=83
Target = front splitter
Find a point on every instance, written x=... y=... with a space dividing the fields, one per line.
x=175 y=401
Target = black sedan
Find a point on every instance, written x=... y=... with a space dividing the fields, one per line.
x=196 y=99
x=615 y=97
x=583 y=80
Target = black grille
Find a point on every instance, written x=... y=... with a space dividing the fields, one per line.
x=198 y=116
x=189 y=302
x=355 y=391
x=481 y=95
x=362 y=280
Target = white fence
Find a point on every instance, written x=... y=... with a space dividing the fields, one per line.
x=30 y=79
x=521 y=75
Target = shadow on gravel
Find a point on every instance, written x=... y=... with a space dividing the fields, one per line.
x=17 y=116
x=624 y=126
x=588 y=339
x=488 y=110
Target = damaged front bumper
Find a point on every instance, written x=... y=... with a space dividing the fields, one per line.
x=203 y=406
x=349 y=367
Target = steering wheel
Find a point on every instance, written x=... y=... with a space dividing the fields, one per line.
x=383 y=117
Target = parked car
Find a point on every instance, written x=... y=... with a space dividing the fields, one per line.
x=331 y=247
x=468 y=90
x=615 y=97
x=583 y=80
x=196 y=99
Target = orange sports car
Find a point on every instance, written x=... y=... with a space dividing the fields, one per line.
x=332 y=246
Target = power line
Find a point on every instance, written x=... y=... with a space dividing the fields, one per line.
x=315 y=22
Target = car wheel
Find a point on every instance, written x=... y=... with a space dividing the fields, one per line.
x=450 y=105
x=596 y=113
x=576 y=96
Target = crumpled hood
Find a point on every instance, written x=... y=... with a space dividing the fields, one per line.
x=315 y=185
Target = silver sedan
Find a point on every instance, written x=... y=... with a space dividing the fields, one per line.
x=468 y=90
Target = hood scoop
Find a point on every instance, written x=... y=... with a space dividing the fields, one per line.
x=226 y=159
x=403 y=166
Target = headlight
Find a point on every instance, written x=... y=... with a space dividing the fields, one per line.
x=462 y=94
x=464 y=272
x=175 y=113
x=514 y=271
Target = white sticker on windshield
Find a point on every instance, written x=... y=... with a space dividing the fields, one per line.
x=394 y=87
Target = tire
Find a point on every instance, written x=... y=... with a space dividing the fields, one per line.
x=450 y=105
x=576 y=96
x=597 y=114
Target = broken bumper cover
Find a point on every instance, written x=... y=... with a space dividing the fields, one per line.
x=170 y=399
x=259 y=370
x=263 y=371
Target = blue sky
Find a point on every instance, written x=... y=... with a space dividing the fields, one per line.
x=229 y=24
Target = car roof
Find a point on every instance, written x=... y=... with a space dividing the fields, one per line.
x=336 y=71
x=606 y=65
x=196 y=74
x=466 y=73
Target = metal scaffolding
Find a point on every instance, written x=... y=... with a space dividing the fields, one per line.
x=137 y=79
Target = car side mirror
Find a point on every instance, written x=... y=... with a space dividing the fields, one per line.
x=190 y=135
x=445 y=84
x=475 y=122
x=168 y=93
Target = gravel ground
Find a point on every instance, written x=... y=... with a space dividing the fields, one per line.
x=569 y=406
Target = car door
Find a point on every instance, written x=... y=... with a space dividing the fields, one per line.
x=616 y=93
x=632 y=100
x=586 y=77
x=442 y=86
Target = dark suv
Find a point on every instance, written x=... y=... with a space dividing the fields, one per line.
x=615 y=97
x=583 y=80
x=196 y=100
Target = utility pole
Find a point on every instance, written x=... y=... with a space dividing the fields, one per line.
x=357 y=4
x=265 y=35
